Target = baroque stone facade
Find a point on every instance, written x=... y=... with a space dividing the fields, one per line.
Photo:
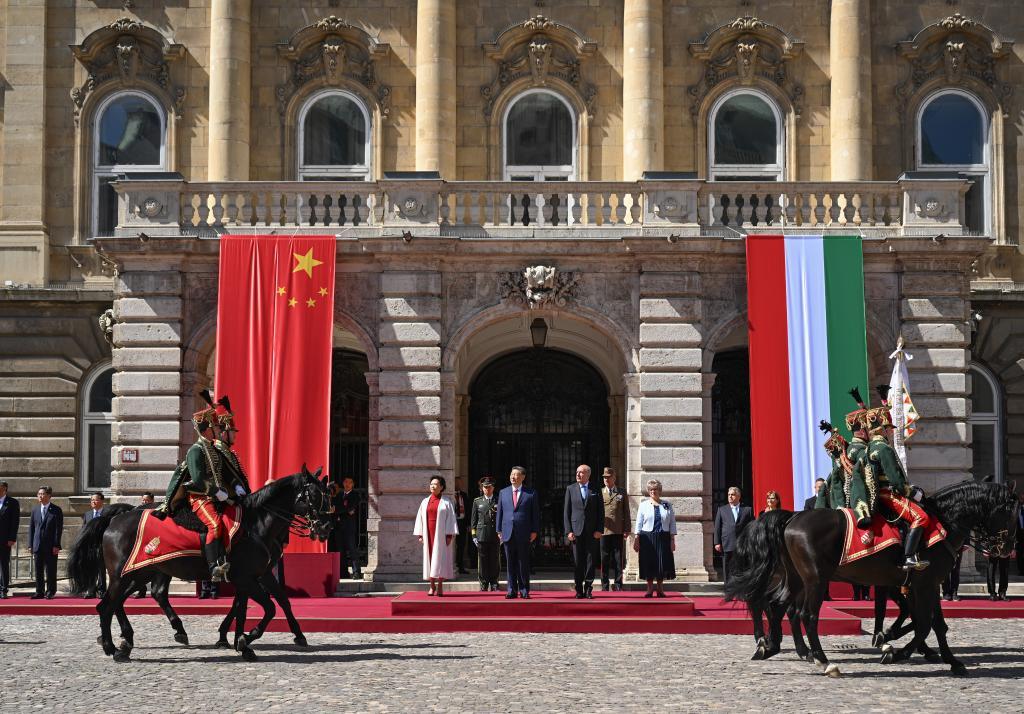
x=641 y=277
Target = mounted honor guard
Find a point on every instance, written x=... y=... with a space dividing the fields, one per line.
x=894 y=489
x=846 y=486
x=207 y=479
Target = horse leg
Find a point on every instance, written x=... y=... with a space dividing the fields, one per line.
x=813 y=597
x=273 y=587
x=941 y=628
x=922 y=611
x=159 y=588
x=775 y=615
x=756 y=615
x=878 y=637
x=263 y=599
x=225 y=624
x=118 y=593
x=106 y=611
x=899 y=627
x=241 y=609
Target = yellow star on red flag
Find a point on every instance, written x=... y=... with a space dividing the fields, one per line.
x=310 y=303
x=292 y=302
x=280 y=291
x=306 y=262
x=323 y=292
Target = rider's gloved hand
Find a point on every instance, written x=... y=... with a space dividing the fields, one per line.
x=476 y=542
x=221 y=495
x=239 y=490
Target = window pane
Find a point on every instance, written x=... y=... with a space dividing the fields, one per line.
x=984 y=447
x=130 y=133
x=99 y=455
x=106 y=210
x=745 y=132
x=539 y=132
x=952 y=132
x=334 y=133
x=983 y=401
x=101 y=396
x=974 y=206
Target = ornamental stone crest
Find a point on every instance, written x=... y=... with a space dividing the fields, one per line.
x=331 y=53
x=130 y=54
x=955 y=51
x=538 y=52
x=746 y=51
x=539 y=286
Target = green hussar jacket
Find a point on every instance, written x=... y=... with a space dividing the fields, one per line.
x=886 y=466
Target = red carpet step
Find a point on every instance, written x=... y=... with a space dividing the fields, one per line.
x=541 y=604
x=974 y=608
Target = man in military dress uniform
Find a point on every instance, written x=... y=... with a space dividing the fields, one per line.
x=847 y=485
x=894 y=490
x=485 y=535
x=209 y=476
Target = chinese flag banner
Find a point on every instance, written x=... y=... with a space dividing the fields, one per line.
x=274 y=336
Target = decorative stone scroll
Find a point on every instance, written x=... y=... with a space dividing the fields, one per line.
x=956 y=51
x=746 y=50
x=331 y=52
x=539 y=286
x=538 y=50
x=133 y=55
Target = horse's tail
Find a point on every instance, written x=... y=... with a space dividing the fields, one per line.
x=757 y=558
x=85 y=559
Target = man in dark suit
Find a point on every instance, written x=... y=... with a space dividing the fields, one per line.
x=96 y=503
x=583 y=514
x=44 y=531
x=819 y=484
x=10 y=519
x=518 y=525
x=460 y=500
x=730 y=520
x=346 y=536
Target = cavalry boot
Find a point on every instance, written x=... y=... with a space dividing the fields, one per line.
x=910 y=546
x=217 y=559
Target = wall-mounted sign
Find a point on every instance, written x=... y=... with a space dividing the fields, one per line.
x=129 y=456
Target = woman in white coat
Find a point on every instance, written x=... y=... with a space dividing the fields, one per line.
x=435 y=528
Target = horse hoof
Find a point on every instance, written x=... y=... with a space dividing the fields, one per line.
x=241 y=644
x=758 y=654
x=181 y=638
x=810 y=658
x=958 y=668
x=833 y=671
x=932 y=657
x=122 y=656
x=301 y=641
x=248 y=654
x=109 y=649
x=878 y=640
x=771 y=652
x=887 y=657
x=223 y=642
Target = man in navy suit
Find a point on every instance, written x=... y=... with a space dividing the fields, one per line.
x=10 y=518
x=584 y=526
x=730 y=520
x=44 y=531
x=518 y=520
x=96 y=504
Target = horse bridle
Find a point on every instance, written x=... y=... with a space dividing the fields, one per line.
x=304 y=526
x=996 y=543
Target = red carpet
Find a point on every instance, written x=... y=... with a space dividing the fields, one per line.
x=546 y=611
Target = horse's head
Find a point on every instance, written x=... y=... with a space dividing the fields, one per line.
x=998 y=535
x=314 y=504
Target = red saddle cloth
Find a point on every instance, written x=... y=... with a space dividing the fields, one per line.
x=159 y=540
x=861 y=542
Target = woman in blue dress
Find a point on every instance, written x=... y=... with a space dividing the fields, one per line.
x=655 y=530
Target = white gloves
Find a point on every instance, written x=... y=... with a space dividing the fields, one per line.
x=221 y=495
x=239 y=490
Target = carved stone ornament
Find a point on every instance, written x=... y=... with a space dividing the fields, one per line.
x=538 y=50
x=132 y=55
x=106 y=321
x=954 y=52
x=539 y=286
x=331 y=52
x=745 y=51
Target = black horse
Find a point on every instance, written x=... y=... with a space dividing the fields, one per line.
x=267 y=515
x=799 y=554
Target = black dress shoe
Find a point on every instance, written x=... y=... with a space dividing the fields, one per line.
x=3 y=595
x=37 y=596
x=50 y=596
x=525 y=596
x=589 y=594
x=579 y=594
x=604 y=587
x=510 y=596
x=617 y=587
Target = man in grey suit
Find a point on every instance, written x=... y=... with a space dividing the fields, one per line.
x=44 y=531
x=730 y=520
x=584 y=526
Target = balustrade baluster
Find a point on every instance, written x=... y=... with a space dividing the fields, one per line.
x=718 y=214
x=575 y=209
x=606 y=208
x=818 y=213
x=204 y=209
x=746 y=210
x=539 y=205
x=759 y=208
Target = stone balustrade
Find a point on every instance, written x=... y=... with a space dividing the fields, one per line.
x=495 y=209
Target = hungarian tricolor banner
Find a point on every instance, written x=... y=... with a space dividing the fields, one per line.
x=808 y=347
x=274 y=330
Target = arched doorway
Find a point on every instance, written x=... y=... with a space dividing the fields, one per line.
x=547 y=411
x=730 y=428
x=350 y=428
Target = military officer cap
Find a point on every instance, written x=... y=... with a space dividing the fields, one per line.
x=853 y=419
x=878 y=419
x=486 y=481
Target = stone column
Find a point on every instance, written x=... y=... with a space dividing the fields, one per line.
x=24 y=239
x=671 y=405
x=435 y=87
x=643 y=105
x=850 y=107
x=411 y=415
x=147 y=384
x=230 y=88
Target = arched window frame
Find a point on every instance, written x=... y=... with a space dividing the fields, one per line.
x=760 y=172
x=100 y=172
x=333 y=172
x=983 y=170
x=566 y=172
x=88 y=419
x=995 y=418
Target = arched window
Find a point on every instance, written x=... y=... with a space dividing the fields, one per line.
x=334 y=138
x=746 y=138
x=97 y=418
x=540 y=138
x=986 y=422
x=952 y=135
x=130 y=135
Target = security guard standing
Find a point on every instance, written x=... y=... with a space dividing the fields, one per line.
x=483 y=527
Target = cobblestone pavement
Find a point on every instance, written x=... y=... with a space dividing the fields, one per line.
x=55 y=664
